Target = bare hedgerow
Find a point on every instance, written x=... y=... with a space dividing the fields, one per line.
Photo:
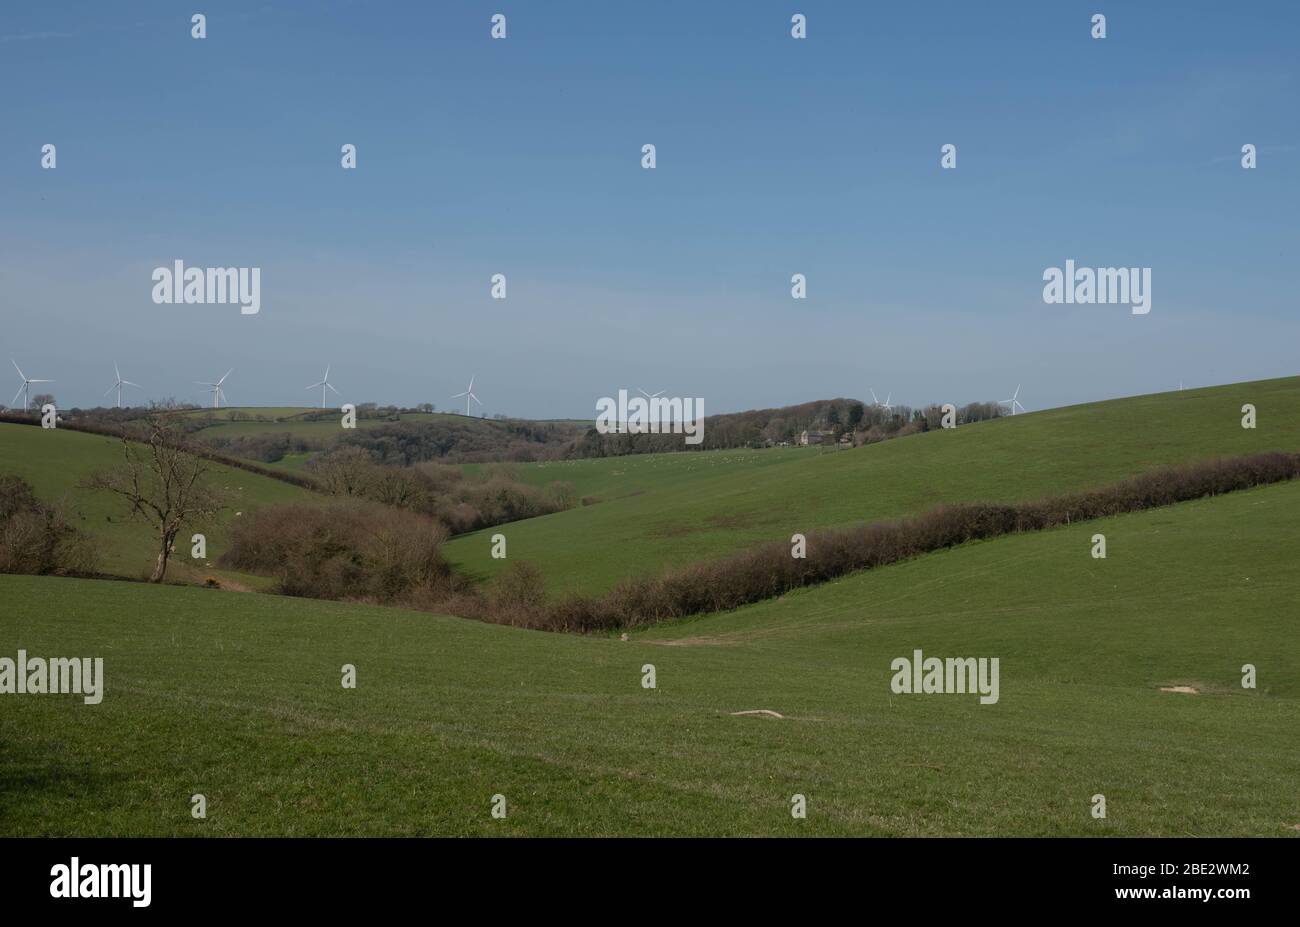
x=768 y=570
x=343 y=550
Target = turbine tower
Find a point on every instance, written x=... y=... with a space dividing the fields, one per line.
x=469 y=395
x=119 y=384
x=1014 y=402
x=324 y=384
x=26 y=389
x=215 y=389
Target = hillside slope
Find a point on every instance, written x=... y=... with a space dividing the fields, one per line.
x=674 y=508
x=238 y=697
x=55 y=461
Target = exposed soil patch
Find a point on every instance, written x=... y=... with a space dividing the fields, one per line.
x=1188 y=690
x=759 y=712
x=691 y=642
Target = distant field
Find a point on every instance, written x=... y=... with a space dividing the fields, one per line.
x=324 y=428
x=237 y=696
x=55 y=461
x=270 y=412
x=675 y=508
x=292 y=462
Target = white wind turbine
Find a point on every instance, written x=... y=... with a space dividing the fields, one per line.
x=650 y=397
x=215 y=389
x=1014 y=402
x=884 y=405
x=26 y=389
x=119 y=384
x=324 y=384
x=468 y=394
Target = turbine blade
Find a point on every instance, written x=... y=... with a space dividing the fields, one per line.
x=116 y=372
x=19 y=393
x=110 y=389
x=336 y=392
x=129 y=383
x=19 y=369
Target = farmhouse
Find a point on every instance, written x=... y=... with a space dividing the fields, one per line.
x=809 y=438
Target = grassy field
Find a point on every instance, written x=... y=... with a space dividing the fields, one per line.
x=323 y=428
x=667 y=509
x=225 y=413
x=55 y=462
x=291 y=462
x=237 y=696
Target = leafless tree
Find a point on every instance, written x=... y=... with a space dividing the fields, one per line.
x=163 y=482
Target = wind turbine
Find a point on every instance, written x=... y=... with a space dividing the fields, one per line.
x=323 y=384
x=884 y=405
x=215 y=389
x=1014 y=402
x=468 y=394
x=119 y=384
x=26 y=389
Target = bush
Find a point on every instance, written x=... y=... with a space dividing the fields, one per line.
x=39 y=538
x=492 y=497
x=344 y=549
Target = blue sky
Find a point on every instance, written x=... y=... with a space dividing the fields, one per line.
x=775 y=156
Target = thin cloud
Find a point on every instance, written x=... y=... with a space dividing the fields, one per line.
x=33 y=36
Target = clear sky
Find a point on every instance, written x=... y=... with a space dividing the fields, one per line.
x=775 y=156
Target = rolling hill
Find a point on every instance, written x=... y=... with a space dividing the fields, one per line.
x=55 y=461
x=669 y=509
x=238 y=697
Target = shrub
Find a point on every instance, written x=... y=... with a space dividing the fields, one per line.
x=37 y=537
x=344 y=549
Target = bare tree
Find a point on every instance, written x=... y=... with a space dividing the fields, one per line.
x=163 y=482
x=345 y=471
